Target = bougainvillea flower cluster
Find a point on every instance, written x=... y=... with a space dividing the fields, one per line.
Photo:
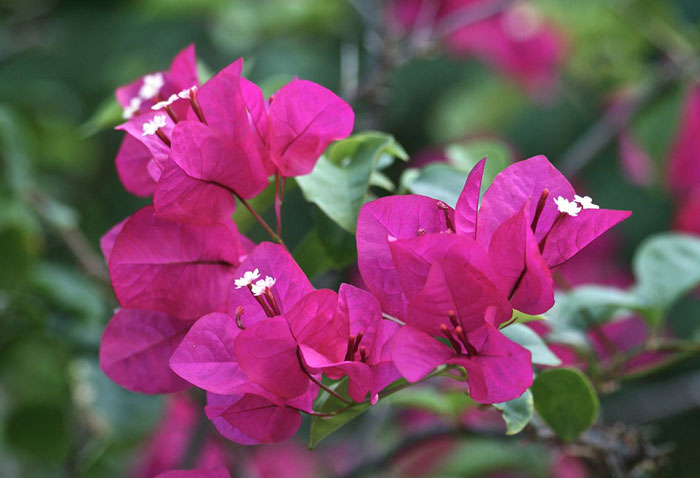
x=456 y=274
x=202 y=305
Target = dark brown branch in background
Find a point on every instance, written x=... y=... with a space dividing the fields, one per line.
x=91 y=262
x=621 y=114
x=419 y=43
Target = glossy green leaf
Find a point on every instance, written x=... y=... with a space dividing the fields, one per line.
x=529 y=339
x=666 y=267
x=321 y=427
x=39 y=431
x=107 y=115
x=566 y=400
x=464 y=156
x=450 y=403
x=439 y=181
x=517 y=412
x=522 y=318
x=480 y=457
x=339 y=183
x=590 y=305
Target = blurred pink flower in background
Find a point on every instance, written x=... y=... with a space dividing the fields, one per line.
x=519 y=41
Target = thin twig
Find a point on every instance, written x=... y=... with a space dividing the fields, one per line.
x=618 y=117
x=420 y=44
x=73 y=238
x=319 y=383
x=257 y=216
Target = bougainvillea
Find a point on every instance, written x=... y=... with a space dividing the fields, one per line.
x=204 y=306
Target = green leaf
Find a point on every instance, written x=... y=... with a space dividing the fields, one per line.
x=587 y=306
x=522 y=318
x=321 y=427
x=517 y=412
x=340 y=181
x=666 y=267
x=107 y=115
x=566 y=400
x=478 y=457
x=474 y=105
x=39 y=431
x=466 y=154
x=529 y=339
x=439 y=181
x=441 y=402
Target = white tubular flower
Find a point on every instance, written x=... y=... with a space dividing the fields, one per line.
x=566 y=206
x=134 y=105
x=162 y=104
x=586 y=202
x=262 y=286
x=151 y=86
x=152 y=126
x=247 y=279
x=186 y=93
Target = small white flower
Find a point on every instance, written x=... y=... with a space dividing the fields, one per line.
x=586 y=202
x=134 y=105
x=186 y=93
x=261 y=286
x=162 y=104
x=152 y=126
x=151 y=86
x=247 y=279
x=566 y=206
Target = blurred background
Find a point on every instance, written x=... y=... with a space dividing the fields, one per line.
x=604 y=88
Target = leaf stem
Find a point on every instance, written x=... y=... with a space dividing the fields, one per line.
x=319 y=383
x=262 y=222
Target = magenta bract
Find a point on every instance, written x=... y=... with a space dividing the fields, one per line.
x=395 y=217
x=304 y=118
x=135 y=349
x=498 y=369
x=518 y=267
x=132 y=163
x=199 y=473
x=251 y=419
x=205 y=357
x=684 y=157
x=351 y=338
x=180 y=269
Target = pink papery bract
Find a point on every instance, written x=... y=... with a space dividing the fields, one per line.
x=304 y=118
x=499 y=371
x=135 y=349
x=274 y=261
x=181 y=75
x=179 y=197
x=180 y=269
x=518 y=266
x=198 y=473
x=267 y=354
x=326 y=335
x=514 y=186
x=250 y=419
x=457 y=283
x=132 y=167
x=395 y=217
x=684 y=157
x=216 y=158
x=205 y=357
x=467 y=206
